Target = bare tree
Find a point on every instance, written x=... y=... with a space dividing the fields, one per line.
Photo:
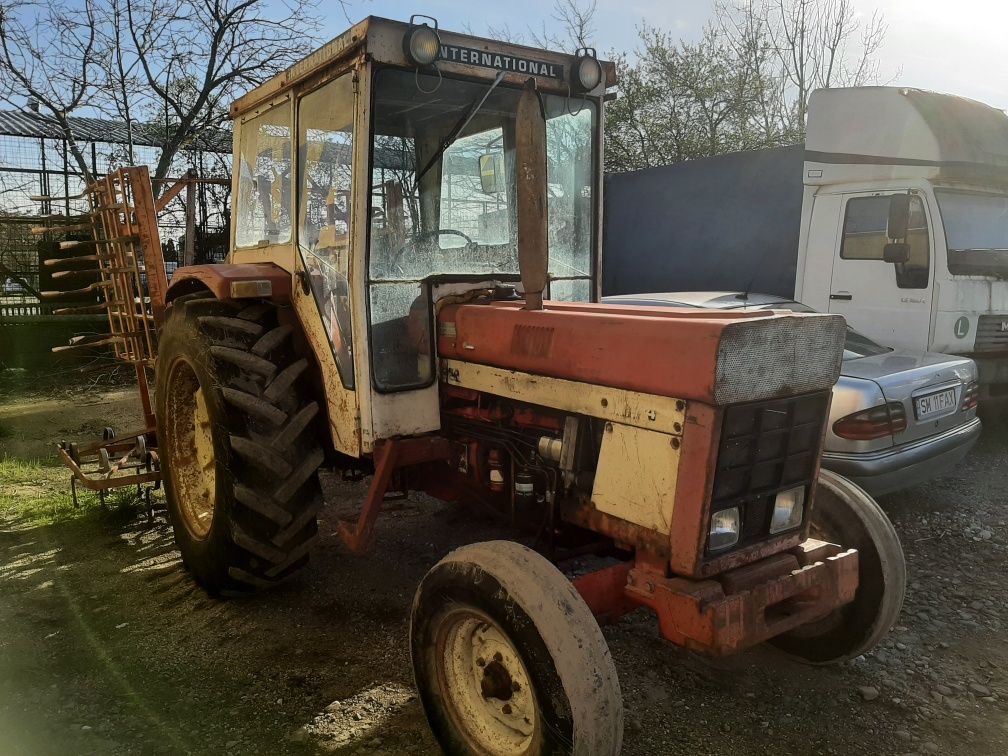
x=175 y=64
x=744 y=85
x=574 y=28
x=49 y=53
x=815 y=43
x=195 y=57
x=680 y=101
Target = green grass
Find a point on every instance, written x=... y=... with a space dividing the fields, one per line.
x=33 y=494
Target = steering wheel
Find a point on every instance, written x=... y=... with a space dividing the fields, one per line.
x=416 y=240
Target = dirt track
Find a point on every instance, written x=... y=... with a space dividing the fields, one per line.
x=107 y=647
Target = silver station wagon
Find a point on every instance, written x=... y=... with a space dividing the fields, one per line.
x=898 y=418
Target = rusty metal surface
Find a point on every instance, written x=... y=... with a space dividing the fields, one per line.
x=530 y=188
x=124 y=252
x=389 y=456
x=768 y=600
x=596 y=344
x=218 y=278
x=604 y=592
x=116 y=462
x=624 y=533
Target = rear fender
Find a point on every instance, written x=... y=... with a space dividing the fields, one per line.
x=233 y=281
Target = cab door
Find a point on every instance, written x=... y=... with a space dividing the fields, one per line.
x=890 y=302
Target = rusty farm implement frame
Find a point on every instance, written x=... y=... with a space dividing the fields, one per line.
x=118 y=249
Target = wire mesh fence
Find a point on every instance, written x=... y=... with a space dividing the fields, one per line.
x=44 y=166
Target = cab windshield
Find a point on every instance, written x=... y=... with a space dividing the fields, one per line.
x=976 y=230
x=455 y=214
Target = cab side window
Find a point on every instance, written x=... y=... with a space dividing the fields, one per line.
x=325 y=150
x=865 y=236
x=263 y=204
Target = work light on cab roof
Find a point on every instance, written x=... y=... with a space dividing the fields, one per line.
x=422 y=43
x=587 y=69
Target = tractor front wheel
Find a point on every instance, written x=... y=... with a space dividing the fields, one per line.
x=509 y=660
x=845 y=514
x=236 y=433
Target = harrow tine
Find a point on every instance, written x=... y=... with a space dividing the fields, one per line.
x=69 y=262
x=76 y=272
x=61 y=229
x=91 y=342
x=86 y=310
x=74 y=244
x=96 y=271
x=96 y=286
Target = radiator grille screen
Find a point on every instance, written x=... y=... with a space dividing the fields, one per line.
x=766 y=447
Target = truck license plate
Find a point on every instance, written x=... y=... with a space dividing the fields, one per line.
x=934 y=404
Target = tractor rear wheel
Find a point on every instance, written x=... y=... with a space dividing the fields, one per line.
x=238 y=443
x=509 y=660
x=845 y=514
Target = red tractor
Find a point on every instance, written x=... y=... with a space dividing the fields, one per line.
x=412 y=292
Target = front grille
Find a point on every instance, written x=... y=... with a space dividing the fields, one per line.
x=766 y=447
x=992 y=333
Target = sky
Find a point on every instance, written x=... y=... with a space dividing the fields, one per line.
x=953 y=46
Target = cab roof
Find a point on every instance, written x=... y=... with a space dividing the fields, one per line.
x=381 y=39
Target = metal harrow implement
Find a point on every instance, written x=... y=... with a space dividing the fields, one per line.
x=118 y=251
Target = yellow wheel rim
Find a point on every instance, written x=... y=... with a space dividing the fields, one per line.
x=486 y=685
x=190 y=453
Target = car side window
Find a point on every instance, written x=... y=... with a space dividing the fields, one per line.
x=865 y=236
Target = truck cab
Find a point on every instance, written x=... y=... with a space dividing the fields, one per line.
x=940 y=281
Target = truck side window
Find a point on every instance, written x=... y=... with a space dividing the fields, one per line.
x=325 y=149
x=263 y=205
x=865 y=237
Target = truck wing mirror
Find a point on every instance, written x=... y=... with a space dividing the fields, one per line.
x=899 y=216
x=896 y=252
x=491 y=170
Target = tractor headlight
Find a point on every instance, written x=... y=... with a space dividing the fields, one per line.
x=724 y=529
x=422 y=44
x=587 y=70
x=788 y=508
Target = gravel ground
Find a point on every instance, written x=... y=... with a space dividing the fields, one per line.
x=107 y=647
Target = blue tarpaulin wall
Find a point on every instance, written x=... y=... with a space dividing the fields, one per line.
x=723 y=223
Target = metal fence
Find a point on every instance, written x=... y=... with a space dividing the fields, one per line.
x=32 y=165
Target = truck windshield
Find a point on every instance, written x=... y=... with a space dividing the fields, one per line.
x=458 y=217
x=976 y=230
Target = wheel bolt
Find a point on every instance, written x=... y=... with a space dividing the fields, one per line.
x=498 y=657
x=480 y=662
x=506 y=708
x=515 y=686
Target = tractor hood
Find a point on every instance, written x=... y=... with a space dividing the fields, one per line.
x=718 y=358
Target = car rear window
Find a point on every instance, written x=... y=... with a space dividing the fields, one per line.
x=858 y=345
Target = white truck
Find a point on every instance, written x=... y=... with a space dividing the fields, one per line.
x=899 y=223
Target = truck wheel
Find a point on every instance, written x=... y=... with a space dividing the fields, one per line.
x=508 y=659
x=237 y=443
x=845 y=514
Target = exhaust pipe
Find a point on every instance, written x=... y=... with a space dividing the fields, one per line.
x=530 y=166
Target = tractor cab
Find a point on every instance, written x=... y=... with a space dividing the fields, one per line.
x=381 y=173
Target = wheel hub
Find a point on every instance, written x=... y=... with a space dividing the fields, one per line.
x=486 y=685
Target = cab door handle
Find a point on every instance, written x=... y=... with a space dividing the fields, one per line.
x=841 y=295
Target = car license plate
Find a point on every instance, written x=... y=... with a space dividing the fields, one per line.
x=937 y=403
